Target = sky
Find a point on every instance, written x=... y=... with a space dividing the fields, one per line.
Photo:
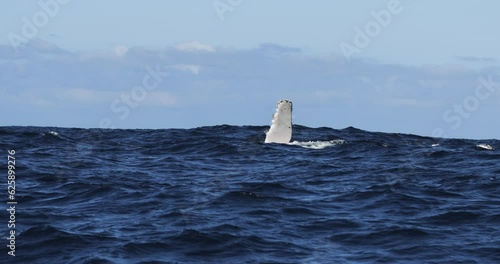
x=429 y=68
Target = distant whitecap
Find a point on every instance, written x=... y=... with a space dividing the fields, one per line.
x=485 y=146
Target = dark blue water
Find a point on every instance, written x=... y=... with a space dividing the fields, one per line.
x=220 y=195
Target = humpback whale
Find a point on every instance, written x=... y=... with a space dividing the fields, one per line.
x=281 y=126
x=281 y=129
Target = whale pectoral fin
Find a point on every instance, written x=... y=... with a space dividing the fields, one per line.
x=281 y=127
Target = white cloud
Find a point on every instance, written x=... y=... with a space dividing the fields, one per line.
x=389 y=86
x=86 y=95
x=89 y=96
x=120 y=50
x=195 y=69
x=402 y=101
x=160 y=99
x=194 y=46
x=433 y=84
x=25 y=98
x=447 y=70
x=365 y=79
x=409 y=102
x=117 y=51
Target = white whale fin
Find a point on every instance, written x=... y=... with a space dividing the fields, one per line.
x=281 y=127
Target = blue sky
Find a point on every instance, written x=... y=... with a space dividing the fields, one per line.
x=421 y=67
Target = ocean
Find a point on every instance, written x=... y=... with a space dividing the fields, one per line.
x=218 y=194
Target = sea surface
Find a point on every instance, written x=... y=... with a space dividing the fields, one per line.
x=218 y=194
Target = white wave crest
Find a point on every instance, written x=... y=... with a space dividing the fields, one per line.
x=485 y=146
x=318 y=144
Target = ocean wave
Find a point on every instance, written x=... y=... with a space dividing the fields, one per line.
x=220 y=194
